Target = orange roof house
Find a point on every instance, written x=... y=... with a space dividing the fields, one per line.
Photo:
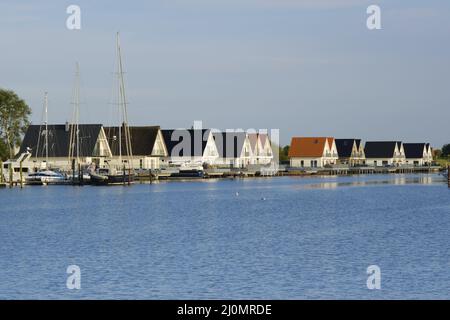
x=312 y=151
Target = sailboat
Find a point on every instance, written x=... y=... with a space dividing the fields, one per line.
x=77 y=175
x=122 y=174
x=44 y=176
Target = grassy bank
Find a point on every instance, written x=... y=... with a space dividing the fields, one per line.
x=443 y=162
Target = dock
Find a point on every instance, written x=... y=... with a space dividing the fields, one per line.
x=346 y=170
x=172 y=174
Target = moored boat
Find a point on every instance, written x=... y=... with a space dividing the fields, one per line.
x=124 y=175
x=103 y=177
x=16 y=169
x=45 y=177
x=188 y=173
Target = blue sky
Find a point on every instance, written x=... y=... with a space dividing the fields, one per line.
x=307 y=67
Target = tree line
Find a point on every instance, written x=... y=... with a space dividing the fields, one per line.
x=14 y=121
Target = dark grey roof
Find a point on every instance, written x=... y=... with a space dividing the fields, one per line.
x=345 y=146
x=177 y=147
x=142 y=140
x=229 y=144
x=380 y=149
x=58 y=140
x=414 y=150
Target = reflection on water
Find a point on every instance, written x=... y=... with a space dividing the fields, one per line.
x=217 y=239
x=385 y=180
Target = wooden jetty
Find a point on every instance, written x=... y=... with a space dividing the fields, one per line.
x=346 y=170
x=150 y=176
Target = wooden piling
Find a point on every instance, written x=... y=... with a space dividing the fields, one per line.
x=80 y=175
x=73 y=171
x=1 y=171
x=21 y=175
x=448 y=175
x=10 y=168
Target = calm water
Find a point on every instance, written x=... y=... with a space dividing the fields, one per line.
x=310 y=238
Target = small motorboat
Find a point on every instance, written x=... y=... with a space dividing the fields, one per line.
x=188 y=173
x=11 y=168
x=105 y=176
x=188 y=170
x=45 y=177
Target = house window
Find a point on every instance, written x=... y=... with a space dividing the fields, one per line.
x=302 y=163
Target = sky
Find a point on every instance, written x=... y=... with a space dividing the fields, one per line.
x=305 y=67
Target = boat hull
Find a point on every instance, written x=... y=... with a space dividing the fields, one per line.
x=188 y=174
x=104 y=180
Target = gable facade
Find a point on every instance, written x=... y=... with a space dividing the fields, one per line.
x=384 y=153
x=350 y=151
x=93 y=145
x=312 y=152
x=190 y=147
x=418 y=154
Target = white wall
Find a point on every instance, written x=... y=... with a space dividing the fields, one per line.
x=296 y=162
x=379 y=161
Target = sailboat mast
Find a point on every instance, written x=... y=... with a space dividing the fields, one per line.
x=74 y=141
x=46 y=126
x=119 y=96
x=123 y=106
x=77 y=110
x=40 y=128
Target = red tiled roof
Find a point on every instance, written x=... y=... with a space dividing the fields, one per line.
x=308 y=147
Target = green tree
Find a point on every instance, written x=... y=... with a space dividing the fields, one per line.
x=14 y=114
x=445 y=152
x=3 y=151
x=437 y=153
x=284 y=153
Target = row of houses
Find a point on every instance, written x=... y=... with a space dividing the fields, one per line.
x=316 y=152
x=151 y=146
